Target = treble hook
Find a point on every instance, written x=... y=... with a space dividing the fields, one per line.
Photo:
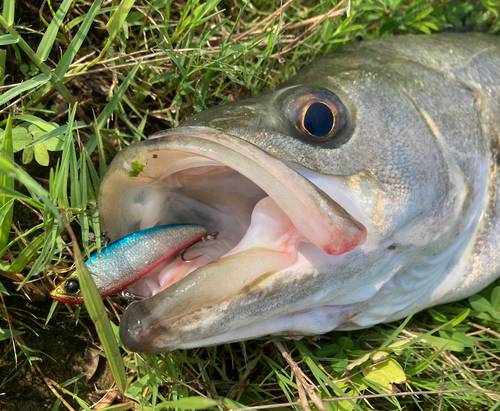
x=205 y=238
x=129 y=295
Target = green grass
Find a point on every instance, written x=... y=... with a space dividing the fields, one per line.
x=136 y=68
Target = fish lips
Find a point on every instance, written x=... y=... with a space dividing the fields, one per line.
x=180 y=314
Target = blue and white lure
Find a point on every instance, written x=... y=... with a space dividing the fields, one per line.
x=132 y=257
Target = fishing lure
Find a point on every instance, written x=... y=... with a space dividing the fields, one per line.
x=132 y=257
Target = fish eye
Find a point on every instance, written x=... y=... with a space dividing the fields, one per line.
x=72 y=286
x=318 y=120
x=317 y=114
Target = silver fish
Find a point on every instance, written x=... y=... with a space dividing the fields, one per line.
x=358 y=191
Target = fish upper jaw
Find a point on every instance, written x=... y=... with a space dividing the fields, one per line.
x=206 y=300
x=317 y=216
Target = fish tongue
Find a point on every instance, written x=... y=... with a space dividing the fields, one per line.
x=217 y=281
x=269 y=228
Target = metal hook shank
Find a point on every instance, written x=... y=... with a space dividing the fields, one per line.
x=205 y=238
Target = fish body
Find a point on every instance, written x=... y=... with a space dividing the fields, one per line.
x=125 y=261
x=359 y=191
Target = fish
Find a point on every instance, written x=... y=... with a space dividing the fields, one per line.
x=125 y=261
x=361 y=190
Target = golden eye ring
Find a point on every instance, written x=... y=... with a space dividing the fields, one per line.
x=317 y=120
x=317 y=115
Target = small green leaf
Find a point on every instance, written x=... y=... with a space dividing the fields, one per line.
x=20 y=138
x=340 y=362
x=136 y=169
x=374 y=357
x=495 y=298
x=54 y=140
x=464 y=339
x=479 y=303
x=328 y=350
x=386 y=373
x=359 y=361
x=346 y=343
x=440 y=318
x=28 y=154
x=41 y=154
x=40 y=123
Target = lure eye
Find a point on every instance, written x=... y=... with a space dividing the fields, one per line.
x=317 y=114
x=72 y=286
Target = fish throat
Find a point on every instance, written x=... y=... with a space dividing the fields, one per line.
x=223 y=201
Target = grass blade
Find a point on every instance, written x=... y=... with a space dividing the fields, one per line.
x=110 y=107
x=119 y=407
x=9 y=168
x=7 y=39
x=58 y=132
x=62 y=175
x=6 y=204
x=102 y=159
x=54 y=79
x=191 y=403
x=114 y=26
x=25 y=257
x=97 y=313
x=3 y=55
x=50 y=35
x=116 y=22
x=8 y=10
x=76 y=43
x=24 y=86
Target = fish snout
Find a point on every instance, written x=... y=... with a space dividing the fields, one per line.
x=134 y=330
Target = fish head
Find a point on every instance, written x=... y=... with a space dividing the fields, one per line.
x=322 y=191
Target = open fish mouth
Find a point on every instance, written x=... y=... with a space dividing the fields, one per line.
x=270 y=220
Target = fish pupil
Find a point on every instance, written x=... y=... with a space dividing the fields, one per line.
x=72 y=286
x=318 y=119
